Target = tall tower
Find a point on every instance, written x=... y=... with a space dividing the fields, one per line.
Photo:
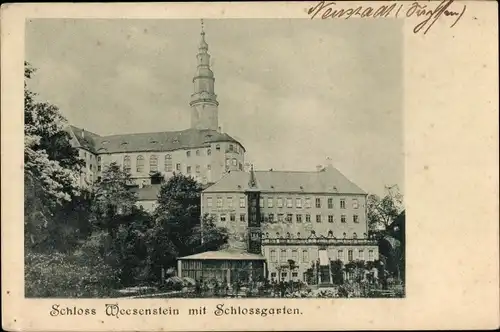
x=204 y=105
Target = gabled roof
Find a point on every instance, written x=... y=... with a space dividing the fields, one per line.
x=81 y=138
x=328 y=180
x=147 y=193
x=225 y=255
x=158 y=141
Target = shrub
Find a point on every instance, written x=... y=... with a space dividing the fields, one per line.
x=174 y=283
x=189 y=281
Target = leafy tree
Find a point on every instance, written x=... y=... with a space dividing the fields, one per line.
x=336 y=267
x=51 y=169
x=113 y=200
x=381 y=212
x=207 y=236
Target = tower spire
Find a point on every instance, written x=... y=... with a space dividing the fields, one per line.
x=204 y=104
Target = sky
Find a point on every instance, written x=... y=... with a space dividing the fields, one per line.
x=293 y=91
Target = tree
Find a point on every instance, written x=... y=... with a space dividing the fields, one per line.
x=51 y=168
x=381 y=212
x=207 y=236
x=113 y=200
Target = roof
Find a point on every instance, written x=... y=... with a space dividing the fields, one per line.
x=147 y=193
x=328 y=180
x=225 y=255
x=82 y=138
x=158 y=141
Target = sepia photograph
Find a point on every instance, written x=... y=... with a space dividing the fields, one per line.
x=213 y=159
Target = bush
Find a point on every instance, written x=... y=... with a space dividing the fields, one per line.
x=188 y=281
x=62 y=275
x=174 y=283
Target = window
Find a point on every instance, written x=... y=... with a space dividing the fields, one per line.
x=370 y=255
x=228 y=162
x=289 y=217
x=355 y=218
x=299 y=218
x=217 y=147
x=295 y=274
x=288 y=235
x=349 y=255
x=278 y=235
x=242 y=202
x=126 y=164
x=280 y=217
x=308 y=218
x=269 y=202
x=305 y=256
x=153 y=163
x=283 y=255
x=361 y=254
x=342 y=203
x=197 y=169
x=219 y=202
x=178 y=167
x=188 y=170
x=340 y=255
x=209 y=167
x=223 y=218
x=232 y=217
x=298 y=203
x=98 y=179
x=295 y=255
x=318 y=203
x=235 y=162
x=209 y=201
x=355 y=203
x=343 y=219
x=271 y=217
x=273 y=274
x=229 y=202
x=330 y=203
x=273 y=258
x=354 y=235
x=168 y=163
x=188 y=153
x=242 y=217
x=330 y=233
x=240 y=166
x=209 y=152
x=298 y=235
x=197 y=152
x=308 y=202
x=98 y=168
x=261 y=202
x=140 y=164
x=284 y=275
x=90 y=166
x=289 y=202
x=231 y=148
x=318 y=218
x=280 y=202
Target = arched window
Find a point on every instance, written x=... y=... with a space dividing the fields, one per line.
x=278 y=235
x=140 y=164
x=288 y=235
x=330 y=234
x=313 y=233
x=168 y=163
x=153 y=163
x=354 y=235
x=298 y=235
x=126 y=164
x=345 y=235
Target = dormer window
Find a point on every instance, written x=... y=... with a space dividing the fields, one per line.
x=175 y=140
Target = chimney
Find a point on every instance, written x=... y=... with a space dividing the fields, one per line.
x=219 y=129
x=83 y=133
x=328 y=161
x=319 y=168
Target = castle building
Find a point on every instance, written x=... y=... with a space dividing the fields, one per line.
x=311 y=218
x=202 y=151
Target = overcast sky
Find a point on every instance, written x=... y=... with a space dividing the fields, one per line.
x=292 y=91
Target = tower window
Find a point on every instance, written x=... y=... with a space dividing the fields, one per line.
x=127 y=164
x=140 y=164
x=168 y=163
x=153 y=163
